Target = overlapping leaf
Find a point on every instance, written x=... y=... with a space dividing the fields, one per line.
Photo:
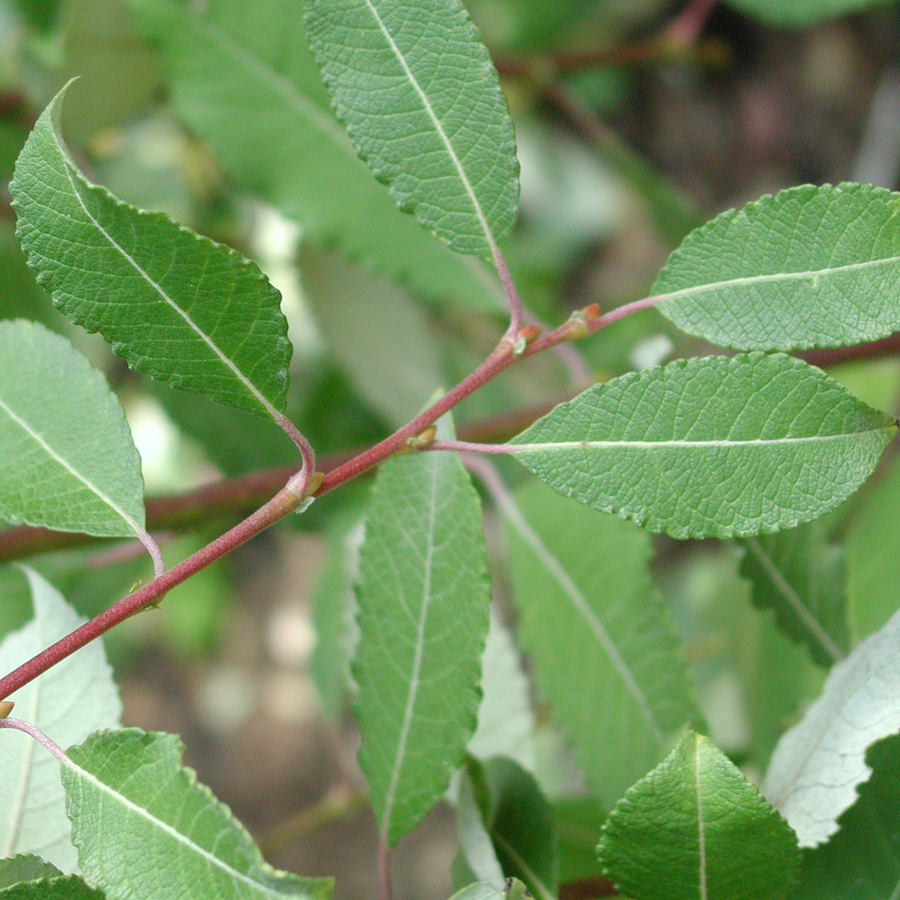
x=604 y=650
x=247 y=62
x=176 y=306
x=68 y=702
x=423 y=615
x=818 y=765
x=714 y=447
x=30 y=878
x=145 y=828
x=416 y=89
x=696 y=829
x=67 y=460
x=801 y=13
x=808 y=267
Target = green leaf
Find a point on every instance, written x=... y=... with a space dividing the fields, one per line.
x=176 y=306
x=423 y=615
x=696 y=829
x=808 y=267
x=715 y=447
x=145 y=828
x=604 y=650
x=421 y=101
x=578 y=823
x=69 y=701
x=801 y=13
x=67 y=460
x=243 y=78
x=860 y=861
x=818 y=764
x=873 y=556
x=69 y=887
x=25 y=867
x=482 y=891
x=800 y=576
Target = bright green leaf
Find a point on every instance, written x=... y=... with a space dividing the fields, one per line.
x=818 y=765
x=145 y=828
x=69 y=701
x=243 y=78
x=67 y=460
x=714 y=447
x=808 y=267
x=176 y=306
x=423 y=601
x=420 y=99
x=801 y=13
x=25 y=867
x=604 y=650
x=800 y=576
x=696 y=829
x=33 y=884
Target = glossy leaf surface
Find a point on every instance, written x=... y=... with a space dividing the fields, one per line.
x=696 y=829
x=808 y=267
x=818 y=765
x=67 y=460
x=133 y=805
x=420 y=99
x=714 y=447
x=176 y=306
x=423 y=615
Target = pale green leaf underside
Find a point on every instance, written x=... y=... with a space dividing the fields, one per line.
x=604 y=650
x=419 y=96
x=818 y=765
x=808 y=267
x=145 y=828
x=801 y=13
x=247 y=62
x=423 y=602
x=68 y=702
x=176 y=306
x=67 y=460
x=714 y=447
x=696 y=829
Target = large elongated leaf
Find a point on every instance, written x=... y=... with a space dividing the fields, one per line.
x=416 y=89
x=67 y=460
x=715 y=447
x=801 y=13
x=423 y=617
x=145 y=828
x=696 y=829
x=604 y=650
x=176 y=306
x=69 y=701
x=818 y=765
x=808 y=267
x=243 y=78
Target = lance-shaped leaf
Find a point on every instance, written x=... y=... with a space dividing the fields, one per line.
x=67 y=460
x=69 y=701
x=145 y=828
x=818 y=765
x=176 y=306
x=247 y=62
x=801 y=13
x=421 y=101
x=714 y=447
x=800 y=576
x=604 y=650
x=808 y=267
x=423 y=616
x=696 y=829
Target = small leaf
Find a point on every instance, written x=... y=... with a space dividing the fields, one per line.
x=818 y=764
x=423 y=616
x=715 y=447
x=67 y=460
x=176 y=306
x=799 y=575
x=604 y=650
x=808 y=267
x=69 y=701
x=801 y=13
x=68 y=887
x=421 y=101
x=145 y=828
x=25 y=867
x=696 y=829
